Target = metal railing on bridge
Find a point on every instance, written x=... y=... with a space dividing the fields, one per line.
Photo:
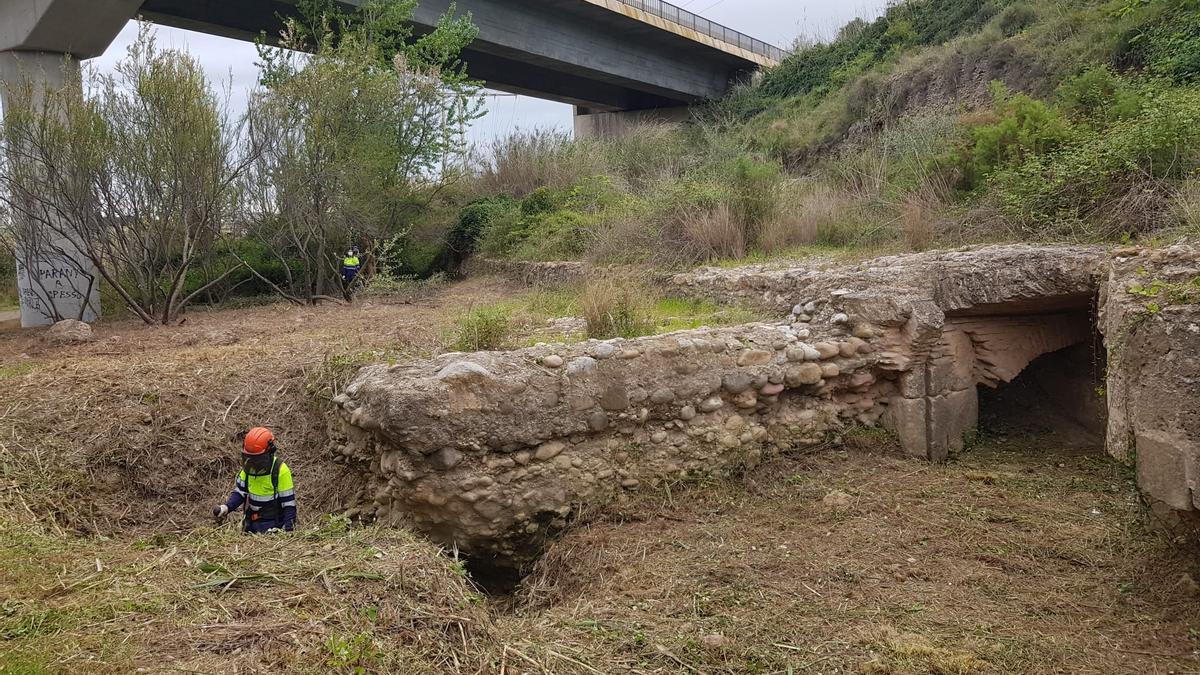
x=703 y=26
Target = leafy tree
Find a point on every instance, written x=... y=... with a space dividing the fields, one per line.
x=352 y=126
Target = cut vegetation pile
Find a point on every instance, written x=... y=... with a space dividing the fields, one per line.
x=1017 y=558
x=325 y=600
x=139 y=428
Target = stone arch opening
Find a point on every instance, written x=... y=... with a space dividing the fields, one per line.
x=1057 y=397
x=1046 y=346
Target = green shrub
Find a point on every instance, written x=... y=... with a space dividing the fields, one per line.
x=473 y=220
x=1109 y=181
x=1026 y=128
x=482 y=329
x=543 y=200
x=1099 y=96
x=861 y=45
x=755 y=191
x=1016 y=18
x=1166 y=41
x=9 y=298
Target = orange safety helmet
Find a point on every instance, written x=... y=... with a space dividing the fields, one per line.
x=258 y=441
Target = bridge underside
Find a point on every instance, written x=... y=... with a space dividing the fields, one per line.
x=569 y=51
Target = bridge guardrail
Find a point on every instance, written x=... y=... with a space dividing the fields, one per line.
x=703 y=26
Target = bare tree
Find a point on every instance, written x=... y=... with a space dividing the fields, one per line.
x=139 y=174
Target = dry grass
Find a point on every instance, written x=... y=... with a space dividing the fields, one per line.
x=616 y=307
x=1012 y=559
x=714 y=233
x=524 y=161
x=1185 y=208
x=1047 y=568
x=801 y=217
x=325 y=600
x=918 y=215
x=139 y=428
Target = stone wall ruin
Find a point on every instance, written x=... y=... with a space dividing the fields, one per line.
x=493 y=452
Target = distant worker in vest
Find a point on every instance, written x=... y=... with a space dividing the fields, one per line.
x=350 y=266
x=264 y=487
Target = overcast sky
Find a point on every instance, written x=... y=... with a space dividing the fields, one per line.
x=231 y=62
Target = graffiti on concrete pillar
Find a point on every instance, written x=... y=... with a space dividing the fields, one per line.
x=57 y=282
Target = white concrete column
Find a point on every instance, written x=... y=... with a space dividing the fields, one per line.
x=55 y=280
x=590 y=124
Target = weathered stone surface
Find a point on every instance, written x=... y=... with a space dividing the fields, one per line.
x=548 y=439
x=1150 y=318
x=803 y=374
x=69 y=332
x=827 y=350
x=920 y=334
x=615 y=398
x=755 y=357
x=549 y=450
x=736 y=383
x=464 y=371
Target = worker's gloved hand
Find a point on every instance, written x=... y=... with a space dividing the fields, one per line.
x=220 y=512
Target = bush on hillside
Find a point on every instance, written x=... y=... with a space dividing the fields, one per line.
x=552 y=224
x=1110 y=181
x=1166 y=39
x=860 y=45
x=524 y=161
x=754 y=195
x=1025 y=127
x=473 y=220
x=1099 y=96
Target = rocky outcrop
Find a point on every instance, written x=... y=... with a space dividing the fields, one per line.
x=1151 y=322
x=493 y=451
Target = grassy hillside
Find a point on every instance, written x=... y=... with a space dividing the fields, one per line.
x=942 y=122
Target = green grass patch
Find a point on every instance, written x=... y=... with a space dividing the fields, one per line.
x=16 y=369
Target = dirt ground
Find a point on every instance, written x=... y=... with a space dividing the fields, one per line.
x=139 y=427
x=1014 y=558
x=1024 y=555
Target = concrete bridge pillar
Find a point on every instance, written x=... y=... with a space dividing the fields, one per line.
x=596 y=124
x=41 y=44
x=55 y=280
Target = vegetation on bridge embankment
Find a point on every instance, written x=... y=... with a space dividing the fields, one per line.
x=941 y=122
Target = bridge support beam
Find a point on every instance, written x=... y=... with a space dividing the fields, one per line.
x=55 y=280
x=41 y=44
x=592 y=124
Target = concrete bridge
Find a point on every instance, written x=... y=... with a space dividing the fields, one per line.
x=617 y=61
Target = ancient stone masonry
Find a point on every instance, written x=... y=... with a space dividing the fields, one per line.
x=1151 y=322
x=531 y=273
x=493 y=451
x=952 y=320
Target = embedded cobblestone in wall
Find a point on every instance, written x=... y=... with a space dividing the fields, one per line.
x=492 y=451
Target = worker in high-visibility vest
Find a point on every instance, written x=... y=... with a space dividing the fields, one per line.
x=350 y=266
x=264 y=487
